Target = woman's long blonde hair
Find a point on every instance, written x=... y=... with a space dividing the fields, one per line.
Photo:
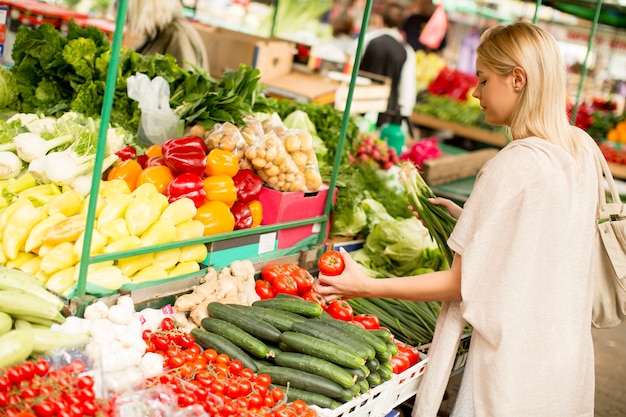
x=147 y=17
x=541 y=108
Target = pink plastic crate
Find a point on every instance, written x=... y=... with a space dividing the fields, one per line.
x=280 y=207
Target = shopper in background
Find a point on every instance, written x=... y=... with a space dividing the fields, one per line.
x=421 y=10
x=160 y=27
x=386 y=53
x=522 y=273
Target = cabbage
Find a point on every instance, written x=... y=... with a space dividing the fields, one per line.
x=8 y=88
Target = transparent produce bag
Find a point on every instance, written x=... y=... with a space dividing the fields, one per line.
x=158 y=121
x=227 y=137
x=299 y=145
x=273 y=164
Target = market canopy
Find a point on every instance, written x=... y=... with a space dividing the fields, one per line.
x=612 y=13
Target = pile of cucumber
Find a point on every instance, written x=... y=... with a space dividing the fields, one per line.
x=312 y=356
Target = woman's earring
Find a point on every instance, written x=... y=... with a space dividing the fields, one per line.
x=517 y=88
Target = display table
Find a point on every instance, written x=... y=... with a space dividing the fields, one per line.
x=474 y=133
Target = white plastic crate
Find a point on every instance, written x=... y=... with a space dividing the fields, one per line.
x=378 y=401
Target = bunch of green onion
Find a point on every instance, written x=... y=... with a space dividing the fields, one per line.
x=434 y=217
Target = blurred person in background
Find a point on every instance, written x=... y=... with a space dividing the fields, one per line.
x=160 y=27
x=421 y=11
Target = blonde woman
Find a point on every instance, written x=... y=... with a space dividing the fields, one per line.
x=160 y=27
x=523 y=242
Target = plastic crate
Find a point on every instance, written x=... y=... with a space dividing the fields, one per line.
x=406 y=384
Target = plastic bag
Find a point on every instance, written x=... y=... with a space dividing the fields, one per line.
x=435 y=29
x=252 y=132
x=158 y=121
x=273 y=164
x=227 y=137
x=299 y=145
x=274 y=124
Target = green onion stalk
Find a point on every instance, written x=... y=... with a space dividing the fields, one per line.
x=435 y=217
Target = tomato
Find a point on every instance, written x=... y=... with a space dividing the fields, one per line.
x=235 y=366
x=315 y=297
x=44 y=409
x=186 y=341
x=272 y=271
x=264 y=289
x=369 y=321
x=277 y=394
x=331 y=263
x=167 y=324
x=28 y=370
x=299 y=406
x=340 y=310
x=285 y=285
x=303 y=279
x=15 y=375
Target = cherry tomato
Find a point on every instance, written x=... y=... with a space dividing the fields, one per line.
x=264 y=289
x=167 y=324
x=369 y=321
x=15 y=375
x=235 y=367
x=278 y=394
x=299 y=406
x=272 y=271
x=303 y=279
x=285 y=285
x=331 y=263
x=185 y=340
x=340 y=310
x=315 y=297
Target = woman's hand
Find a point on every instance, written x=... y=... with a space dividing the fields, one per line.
x=454 y=209
x=352 y=282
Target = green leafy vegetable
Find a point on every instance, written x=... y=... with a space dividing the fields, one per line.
x=8 y=92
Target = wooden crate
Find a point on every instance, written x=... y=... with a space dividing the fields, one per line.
x=453 y=167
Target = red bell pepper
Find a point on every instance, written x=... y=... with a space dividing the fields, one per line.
x=248 y=185
x=187 y=185
x=243 y=215
x=186 y=154
x=127 y=152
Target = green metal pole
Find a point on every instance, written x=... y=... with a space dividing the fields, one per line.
x=107 y=104
x=536 y=15
x=274 y=17
x=583 y=73
x=346 y=119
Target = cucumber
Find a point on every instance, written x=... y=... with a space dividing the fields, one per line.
x=316 y=366
x=320 y=329
x=359 y=373
x=302 y=380
x=239 y=337
x=222 y=345
x=383 y=334
x=364 y=386
x=298 y=306
x=252 y=325
x=374 y=379
x=280 y=319
x=372 y=364
x=385 y=370
x=310 y=398
x=374 y=341
x=392 y=348
x=349 y=393
x=383 y=357
x=15 y=347
x=6 y=322
x=322 y=349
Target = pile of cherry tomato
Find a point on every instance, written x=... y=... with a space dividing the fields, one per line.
x=221 y=386
x=34 y=389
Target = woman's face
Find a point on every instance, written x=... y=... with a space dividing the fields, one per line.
x=496 y=94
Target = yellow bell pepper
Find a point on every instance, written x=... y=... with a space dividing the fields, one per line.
x=184 y=268
x=20 y=260
x=41 y=194
x=113 y=188
x=62 y=281
x=221 y=162
x=18 y=228
x=167 y=258
x=197 y=253
x=113 y=230
x=115 y=207
x=145 y=190
x=24 y=182
x=159 y=201
x=67 y=230
x=190 y=229
x=44 y=249
x=98 y=242
x=35 y=237
x=179 y=211
x=32 y=265
x=140 y=215
x=220 y=188
x=150 y=273
x=161 y=231
x=11 y=209
x=216 y=218
x=68 y=203
x=123 y=244
x=59 y=257
x=99 y=206
x=256 y=209
x=109 y=277
x=129 y=266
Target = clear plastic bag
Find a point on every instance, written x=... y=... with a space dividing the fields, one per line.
x=273 y=164
x=252 y=132
x=158 y=121
x=274 y=124
x=227 y=137
x=299 y=145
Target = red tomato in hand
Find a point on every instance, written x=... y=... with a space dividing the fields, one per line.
x=303 y=279
x=315 y=297
x=331 y=263
x=369 y=321
x=285 y=285
x=264 y=289
x=272 y=271
x=340 y=310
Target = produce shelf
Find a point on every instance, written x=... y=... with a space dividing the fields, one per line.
x=474 y=133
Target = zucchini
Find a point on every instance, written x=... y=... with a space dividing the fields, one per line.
x=294 y=305
x=22 y=282
x=374 y=341
x=311 y=398
x=322 y=349
x=210 y=340
x=252 y=325
x=319 y=329
x=374 y=379
x=281 y=319
x=316 y=366
x=15 y=347
x=48 y=341
x=239 y=337
x=6 y=322
x=383 y=334
x=22 y=304
x=302 y=380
